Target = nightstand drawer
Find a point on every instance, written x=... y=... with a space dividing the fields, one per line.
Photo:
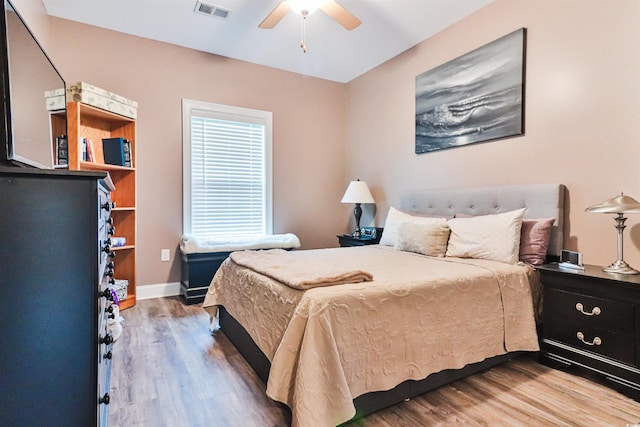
x=563 y=307
x=618 y=346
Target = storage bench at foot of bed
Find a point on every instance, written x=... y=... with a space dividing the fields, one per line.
x=198 y=270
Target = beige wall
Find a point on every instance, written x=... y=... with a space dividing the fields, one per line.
x=308 y=138
x=582 y=106
x=582 y=99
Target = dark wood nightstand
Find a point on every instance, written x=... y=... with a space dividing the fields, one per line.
x=591 y=319
x=349 y=240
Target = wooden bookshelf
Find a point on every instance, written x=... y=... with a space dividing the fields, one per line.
x=85 y=121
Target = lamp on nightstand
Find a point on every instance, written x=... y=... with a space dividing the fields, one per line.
x=358 y=193
x=618 y=205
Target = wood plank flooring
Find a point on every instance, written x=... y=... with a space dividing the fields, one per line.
x=170 y=371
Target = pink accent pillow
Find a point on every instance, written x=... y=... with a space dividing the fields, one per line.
x=534 y=240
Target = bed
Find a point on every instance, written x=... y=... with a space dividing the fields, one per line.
x=402 y=321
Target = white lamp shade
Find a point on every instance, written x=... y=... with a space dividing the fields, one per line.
x=357 y=192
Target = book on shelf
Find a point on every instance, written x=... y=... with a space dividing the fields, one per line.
x=113 y=149
x=90 y=151
x=127 y=153
x=62 y=151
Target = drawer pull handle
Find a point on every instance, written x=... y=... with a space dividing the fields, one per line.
x=596 y=340
x=596 y=310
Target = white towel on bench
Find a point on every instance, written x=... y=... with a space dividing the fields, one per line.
x=192 y=244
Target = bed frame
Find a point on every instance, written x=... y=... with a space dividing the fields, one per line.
x=541 y=201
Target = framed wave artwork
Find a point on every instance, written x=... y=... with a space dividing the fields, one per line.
x=476 y=97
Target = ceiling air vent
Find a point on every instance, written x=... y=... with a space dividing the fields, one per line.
x=211 y=10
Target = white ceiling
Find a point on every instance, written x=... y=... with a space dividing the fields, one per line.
x=388 y=28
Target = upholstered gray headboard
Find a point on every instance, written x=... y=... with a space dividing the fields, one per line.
x=541 y=201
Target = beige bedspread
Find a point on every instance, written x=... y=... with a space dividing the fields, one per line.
x=418 y=316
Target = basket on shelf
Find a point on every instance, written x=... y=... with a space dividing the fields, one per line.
x=120 y=287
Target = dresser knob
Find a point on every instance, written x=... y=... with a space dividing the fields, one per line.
x=106 y=249
x=596 y=340
x=107 y=294
x=596 y=310
x=110 y=221
x=107 y=339
x=109 y=273
x=110 y=265
x=112 y=231
x=106 y=206
x=108 y=355
x=109 y=309
x=104 y=399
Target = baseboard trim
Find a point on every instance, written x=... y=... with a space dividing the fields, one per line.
x=158 y=290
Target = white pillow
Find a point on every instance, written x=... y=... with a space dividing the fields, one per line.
x=395 y=218
x=493 y=237
x=425 y=239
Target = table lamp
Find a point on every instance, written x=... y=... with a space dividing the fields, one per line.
x=358 y=193
x=618 y=205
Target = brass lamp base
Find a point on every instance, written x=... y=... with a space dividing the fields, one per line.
x=620 y=267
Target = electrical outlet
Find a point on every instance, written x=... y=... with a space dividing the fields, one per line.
x=165 y=255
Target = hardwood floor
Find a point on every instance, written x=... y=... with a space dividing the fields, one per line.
x=169 y=370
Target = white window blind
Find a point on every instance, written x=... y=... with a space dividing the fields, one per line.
x=229 y=162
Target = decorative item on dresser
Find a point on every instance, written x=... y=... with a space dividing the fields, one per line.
x=56 y=361
x=94 y=124
x=358 y=193
x=591 y=320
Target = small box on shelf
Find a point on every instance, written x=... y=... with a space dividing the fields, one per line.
x=55 y=99
x=117 y=242
x=100 y=98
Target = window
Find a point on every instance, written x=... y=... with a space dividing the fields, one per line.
x=226 y=171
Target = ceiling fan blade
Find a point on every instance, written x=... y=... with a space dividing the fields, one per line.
x=340 y=14
x=275 y=16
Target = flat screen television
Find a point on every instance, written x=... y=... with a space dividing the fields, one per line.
x=28 y=127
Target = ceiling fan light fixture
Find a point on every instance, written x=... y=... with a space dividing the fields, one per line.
x=304 y=7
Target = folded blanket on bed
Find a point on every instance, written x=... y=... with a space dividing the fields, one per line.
x=301 y=272
x=192 y=244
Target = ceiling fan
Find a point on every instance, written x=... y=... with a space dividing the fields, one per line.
x=305 y=8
